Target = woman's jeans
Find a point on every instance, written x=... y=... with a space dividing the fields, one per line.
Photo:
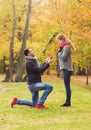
x=66 y=77
x=34 y=89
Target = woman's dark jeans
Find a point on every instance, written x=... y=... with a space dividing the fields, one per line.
x=66 y=78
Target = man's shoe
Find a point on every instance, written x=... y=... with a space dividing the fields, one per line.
x=41 y=106
x=14 y=101
x=66 y=104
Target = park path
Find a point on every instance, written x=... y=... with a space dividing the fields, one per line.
x=74 y=78
x=81 y=78
x=2 y=88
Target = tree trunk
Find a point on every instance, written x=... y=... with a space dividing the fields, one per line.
x=58 y=68
x=4 y=67
x=7 y=75
x=87 y=76
x=21 y=57
x=48 y=71
x=11 y=57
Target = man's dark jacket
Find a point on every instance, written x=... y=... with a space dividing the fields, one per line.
x=34 y=71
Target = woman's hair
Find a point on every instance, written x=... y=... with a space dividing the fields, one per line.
x=63 y=37
x=26 y=51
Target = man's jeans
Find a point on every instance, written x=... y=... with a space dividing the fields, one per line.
x=34 y=89
x=66 y=77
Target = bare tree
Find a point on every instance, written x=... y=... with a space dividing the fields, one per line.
x=11 y=57
x=21 y=57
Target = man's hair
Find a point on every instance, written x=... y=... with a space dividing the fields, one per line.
x=26 y=51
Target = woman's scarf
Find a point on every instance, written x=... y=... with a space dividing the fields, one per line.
x=63 y=43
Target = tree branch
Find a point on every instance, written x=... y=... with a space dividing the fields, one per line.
x=79 y=1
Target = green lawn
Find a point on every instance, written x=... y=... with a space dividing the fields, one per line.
x=76 y=117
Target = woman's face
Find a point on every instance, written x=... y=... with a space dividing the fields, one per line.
x=59 y=41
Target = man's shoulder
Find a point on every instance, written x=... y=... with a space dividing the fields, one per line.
x=29 y=61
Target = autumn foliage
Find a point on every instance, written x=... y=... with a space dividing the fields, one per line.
x=73 y=18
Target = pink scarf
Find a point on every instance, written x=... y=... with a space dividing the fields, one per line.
x=63 y=43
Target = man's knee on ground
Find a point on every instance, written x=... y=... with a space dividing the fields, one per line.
x=49 y=88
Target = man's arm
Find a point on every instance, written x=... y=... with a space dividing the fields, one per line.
x=31 y=66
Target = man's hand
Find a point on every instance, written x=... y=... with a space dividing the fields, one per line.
x=49 y=60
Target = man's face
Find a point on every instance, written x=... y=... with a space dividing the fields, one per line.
x=31 y=52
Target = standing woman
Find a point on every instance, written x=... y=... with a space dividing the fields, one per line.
x=65 y=64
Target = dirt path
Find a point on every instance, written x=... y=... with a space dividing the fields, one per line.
x=2 y=88
x=78 y=79
x=81 y=78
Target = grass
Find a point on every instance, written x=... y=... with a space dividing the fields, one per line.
x=76 y=117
